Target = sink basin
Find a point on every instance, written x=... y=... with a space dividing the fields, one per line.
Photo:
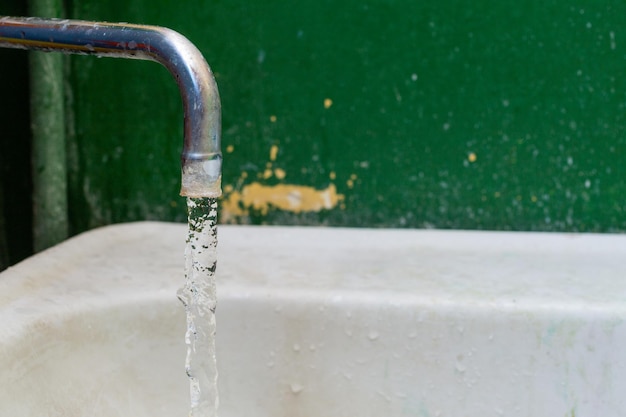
x=318 y=322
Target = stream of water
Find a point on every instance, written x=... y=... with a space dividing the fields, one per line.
x=199 y=298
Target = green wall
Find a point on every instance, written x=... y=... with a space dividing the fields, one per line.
x=450 y=114
x=385 y=113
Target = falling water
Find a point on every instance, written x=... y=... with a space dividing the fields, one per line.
x=199 y=298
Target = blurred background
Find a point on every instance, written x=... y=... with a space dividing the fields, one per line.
x=488 y=114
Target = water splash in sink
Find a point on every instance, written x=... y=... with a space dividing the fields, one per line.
x=199 y=298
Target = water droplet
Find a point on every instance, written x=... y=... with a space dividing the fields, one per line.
x=296 y=347
x=373 y=335
x=460 y=367
x=612 y=36
x=296 y=388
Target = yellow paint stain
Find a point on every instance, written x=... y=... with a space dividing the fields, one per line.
x=273 y=152
x=228 y=188
x=267 y=173
x=350 y=182
x=273 y=118
x=332 y=175
x=280 y=173
x=472 y=157
x=327 y=103
x=287 y=197
x=230 y=149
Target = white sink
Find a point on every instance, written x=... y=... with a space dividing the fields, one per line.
x=317 y=322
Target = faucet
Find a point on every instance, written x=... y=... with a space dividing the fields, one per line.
x=201 y=158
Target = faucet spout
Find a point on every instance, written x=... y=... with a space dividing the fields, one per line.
x=201 y=158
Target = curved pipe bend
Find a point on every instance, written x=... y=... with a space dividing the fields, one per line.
x=201 y=158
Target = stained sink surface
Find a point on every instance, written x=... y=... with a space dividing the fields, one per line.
x=316 y=322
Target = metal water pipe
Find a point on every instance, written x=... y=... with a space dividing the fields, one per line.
x=201 y=158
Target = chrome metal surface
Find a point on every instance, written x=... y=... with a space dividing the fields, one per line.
x=201 y=156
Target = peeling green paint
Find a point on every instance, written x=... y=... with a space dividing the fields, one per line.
x=493 y=115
